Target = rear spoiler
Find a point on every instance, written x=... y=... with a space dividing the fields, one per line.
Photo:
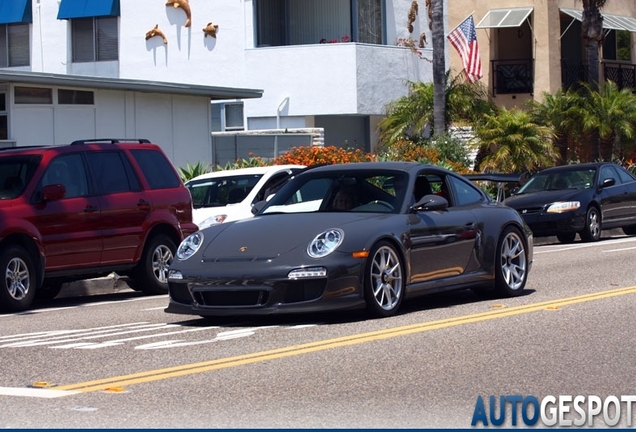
x=500 y=179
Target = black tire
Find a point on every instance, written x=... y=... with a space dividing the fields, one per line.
x=384 y=283
x=48 y=292
x=151 y=274
x=592 y=230
x=511 y=264
x=566 y=237
x=18 y=282
x=630 y=230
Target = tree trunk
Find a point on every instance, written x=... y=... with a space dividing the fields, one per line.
x=592 y=34
x=439 y=68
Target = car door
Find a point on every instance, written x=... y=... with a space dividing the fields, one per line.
x=124 y=205
x=614 y=199
x=70 y=227
x=629 y=182
x=442 y=242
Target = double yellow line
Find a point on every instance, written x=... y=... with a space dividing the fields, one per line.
x=177 y=371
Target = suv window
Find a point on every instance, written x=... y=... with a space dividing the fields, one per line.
x=157 y=169
x=67 y=170
x=15 y=174
x=112 y=172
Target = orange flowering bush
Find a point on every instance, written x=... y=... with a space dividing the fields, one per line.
x=314 y=155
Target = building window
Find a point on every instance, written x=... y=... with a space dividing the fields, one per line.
x=75 y=97
x=33 y=95
x=94 y=39
x=14 y=45
x=296 y=22
x=227 y=117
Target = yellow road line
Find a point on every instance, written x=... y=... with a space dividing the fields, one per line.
x=176 y=371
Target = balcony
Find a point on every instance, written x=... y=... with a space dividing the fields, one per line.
x=623 y=74
x=512 y=76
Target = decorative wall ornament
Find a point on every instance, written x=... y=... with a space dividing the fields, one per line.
x=156 y=32
x=185 y=6
x=412 y=15
x=429 y=6
x=423 y=40
x=210 y=30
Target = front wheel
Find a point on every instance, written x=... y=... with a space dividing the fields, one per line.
x=151 y=275
x=384 y=281
x=511 y=264
x=17 y=283
x=566 y=237
x=592 y=230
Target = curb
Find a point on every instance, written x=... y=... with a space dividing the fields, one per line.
x=111 y=284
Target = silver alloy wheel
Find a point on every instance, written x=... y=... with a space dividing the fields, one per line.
x=161 y=259
x=593 y=224
x=513 y=261
x=17 y=278
x=386 y=278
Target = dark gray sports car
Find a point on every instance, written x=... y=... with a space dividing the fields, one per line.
x=353 y=236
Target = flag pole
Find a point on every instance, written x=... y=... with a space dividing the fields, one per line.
x=460 y=23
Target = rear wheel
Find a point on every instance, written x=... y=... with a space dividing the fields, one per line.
x=17 y=280
x=630 y=230
x=566 y=237
x=384 y=281
x=512 y=264
x=592 y=230
x=151 y=275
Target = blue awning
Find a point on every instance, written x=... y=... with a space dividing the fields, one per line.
x=15 y=11
x=87 y=8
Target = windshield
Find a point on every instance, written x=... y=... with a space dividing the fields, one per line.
x=221 y=191
x=560 y=180
x=15 y=174
x=366 y=192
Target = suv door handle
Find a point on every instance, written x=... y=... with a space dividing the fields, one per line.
x=143 y=204
x=90 y=208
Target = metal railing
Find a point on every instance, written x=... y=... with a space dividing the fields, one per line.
x=512 y=76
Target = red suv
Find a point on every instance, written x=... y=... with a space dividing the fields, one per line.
x=85 y=210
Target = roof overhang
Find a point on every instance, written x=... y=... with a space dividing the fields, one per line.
x=15 y=11
x=506 y=17
x=70 y=9
x=78 y=81
x=610 y=21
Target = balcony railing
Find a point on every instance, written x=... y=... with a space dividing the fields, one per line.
x=512 y=76
x=623 y=74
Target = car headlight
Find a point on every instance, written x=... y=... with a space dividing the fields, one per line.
x=325 y=243
x=213 y=220
x=561 y=207
x=189 y=246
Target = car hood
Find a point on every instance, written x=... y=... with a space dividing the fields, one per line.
x=232 y=211
x=539 y=199
x=270 y=236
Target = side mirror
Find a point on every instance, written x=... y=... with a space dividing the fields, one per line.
x=53 y=192
x=430 y=203
x=608 y=182
x=258 y=206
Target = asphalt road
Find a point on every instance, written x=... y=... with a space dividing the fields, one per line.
x=117 y=360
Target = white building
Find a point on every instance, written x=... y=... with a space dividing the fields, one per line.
x=91 y=69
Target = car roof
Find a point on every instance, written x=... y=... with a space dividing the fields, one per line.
x=77 y=146
x=246 y=171
x=574 y=167
x=375 y=166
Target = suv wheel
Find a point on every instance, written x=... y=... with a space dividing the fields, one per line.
x=17 y=283
x=152 y=271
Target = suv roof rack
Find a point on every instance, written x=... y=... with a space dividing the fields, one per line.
x=111 y=141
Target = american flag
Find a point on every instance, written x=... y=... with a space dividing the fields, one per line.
x=464 y=39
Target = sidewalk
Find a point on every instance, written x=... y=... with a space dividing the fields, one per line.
x=111 y=284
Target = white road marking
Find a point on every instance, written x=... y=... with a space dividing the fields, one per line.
x=542 y=249
x=619 y=250
x=33 y=392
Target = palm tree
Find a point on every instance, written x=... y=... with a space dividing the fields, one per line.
x=611 y=112
x=560 y=111
x=439 y=68
x=515 y=143
x=408 y=116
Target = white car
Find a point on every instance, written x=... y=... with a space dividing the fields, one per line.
x=224 y=196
